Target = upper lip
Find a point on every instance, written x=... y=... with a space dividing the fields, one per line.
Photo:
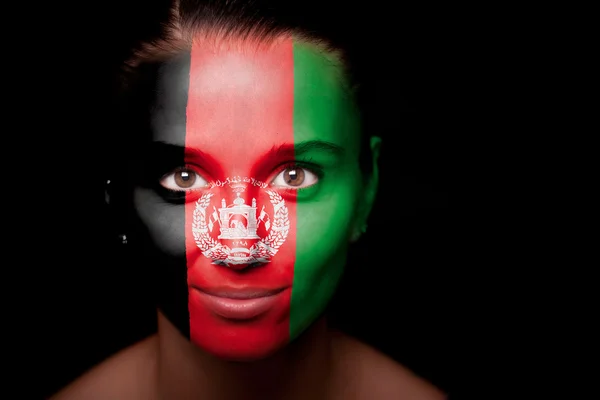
x=241 y=293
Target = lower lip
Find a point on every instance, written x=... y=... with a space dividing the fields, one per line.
x=238 y=309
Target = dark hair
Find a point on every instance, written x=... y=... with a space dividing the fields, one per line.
x=257 y=20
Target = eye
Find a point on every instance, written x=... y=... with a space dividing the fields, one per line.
x=295 y=177
x=183 y=179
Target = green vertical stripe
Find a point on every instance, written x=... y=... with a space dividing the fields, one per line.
x=322 y=111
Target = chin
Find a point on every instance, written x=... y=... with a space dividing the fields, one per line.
x=239 y=335
x=240 y=343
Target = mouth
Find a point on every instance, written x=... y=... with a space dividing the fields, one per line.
x=238 y=304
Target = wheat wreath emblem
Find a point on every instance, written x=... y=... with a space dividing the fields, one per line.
x=261 y=251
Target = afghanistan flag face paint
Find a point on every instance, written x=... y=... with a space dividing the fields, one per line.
x=258 y=200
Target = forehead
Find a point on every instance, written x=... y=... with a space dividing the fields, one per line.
x=258 y=96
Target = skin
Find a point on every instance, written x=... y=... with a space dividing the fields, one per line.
x=250 y=110
x=319 y=363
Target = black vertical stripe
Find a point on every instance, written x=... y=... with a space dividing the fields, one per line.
x=160 y=223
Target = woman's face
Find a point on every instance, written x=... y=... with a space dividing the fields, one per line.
x=254 y=192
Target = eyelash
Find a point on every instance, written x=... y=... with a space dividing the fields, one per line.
x=304 y=164
x=177 y=196
x=295 y=165
x=301 y=164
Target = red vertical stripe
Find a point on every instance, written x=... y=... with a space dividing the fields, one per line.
x=240 y=106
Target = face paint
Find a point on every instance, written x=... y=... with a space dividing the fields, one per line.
x=256 y=218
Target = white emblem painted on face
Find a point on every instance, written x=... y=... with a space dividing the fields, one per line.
x=238 y=223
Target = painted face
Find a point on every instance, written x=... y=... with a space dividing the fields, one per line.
x=255 y=154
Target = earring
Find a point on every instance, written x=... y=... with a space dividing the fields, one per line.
x=107 y=192
x=121 y=237
x=357 y=233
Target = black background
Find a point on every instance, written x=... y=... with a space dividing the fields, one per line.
x=410 y=302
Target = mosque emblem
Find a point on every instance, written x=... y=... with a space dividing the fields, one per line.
x=237 y=227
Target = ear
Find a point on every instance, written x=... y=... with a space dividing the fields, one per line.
x=369 y=192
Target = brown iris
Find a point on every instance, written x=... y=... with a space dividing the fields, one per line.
x=185 y=178
x=293 y=176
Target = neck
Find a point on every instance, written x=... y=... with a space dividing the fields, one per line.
x=300 y=370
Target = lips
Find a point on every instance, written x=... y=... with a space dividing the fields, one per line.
x=238 y=304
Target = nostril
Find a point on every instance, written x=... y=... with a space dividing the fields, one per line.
x=246 y=266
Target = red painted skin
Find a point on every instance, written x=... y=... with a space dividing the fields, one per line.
x=240 y=107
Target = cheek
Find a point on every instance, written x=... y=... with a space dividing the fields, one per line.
x=324 y=236
x=164 y=221
x=322 y=240
x=323 y=230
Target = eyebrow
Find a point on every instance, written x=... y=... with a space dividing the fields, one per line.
x=167 y=155
x=309 y=146
x=169 y=150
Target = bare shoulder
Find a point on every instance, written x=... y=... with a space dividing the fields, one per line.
x=366 y=373
x=129 y=374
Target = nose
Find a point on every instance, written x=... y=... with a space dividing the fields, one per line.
x=238 y=227
x=239 y=258
x=243 y=267
x=242 y=227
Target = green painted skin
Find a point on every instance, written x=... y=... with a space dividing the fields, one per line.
x=329 y=211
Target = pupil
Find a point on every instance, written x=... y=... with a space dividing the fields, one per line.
x=294 y=177
x=185 y=179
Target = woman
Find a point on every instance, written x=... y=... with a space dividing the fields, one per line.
x=252 y=174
